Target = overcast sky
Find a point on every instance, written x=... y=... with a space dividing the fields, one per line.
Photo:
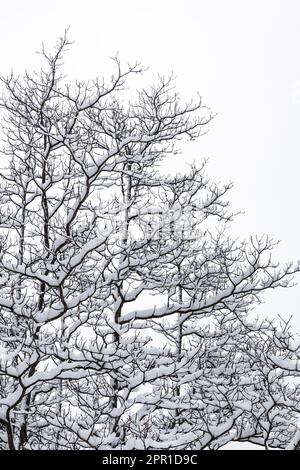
x=241 y=55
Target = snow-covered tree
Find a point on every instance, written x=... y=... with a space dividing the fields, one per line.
x=122 y=296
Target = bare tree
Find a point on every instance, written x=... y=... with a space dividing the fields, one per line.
x=91 y=230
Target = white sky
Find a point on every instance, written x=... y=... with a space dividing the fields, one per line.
x=241 y=55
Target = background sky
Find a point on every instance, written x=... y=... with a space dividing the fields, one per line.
x=241 y=55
